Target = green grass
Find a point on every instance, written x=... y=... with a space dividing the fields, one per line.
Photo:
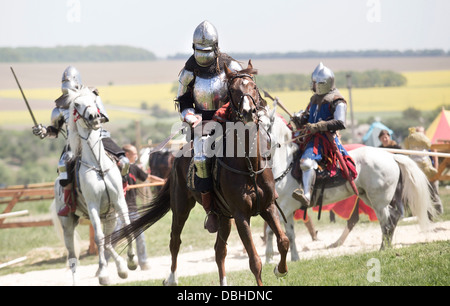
x=422 y=264
x=415 y=265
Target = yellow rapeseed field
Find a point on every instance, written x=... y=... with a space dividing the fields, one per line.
x=425 y=90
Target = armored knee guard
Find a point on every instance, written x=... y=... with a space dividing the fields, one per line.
x=65 y=168
x=124 y=165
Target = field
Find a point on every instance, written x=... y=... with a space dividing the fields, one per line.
x=129 y=89
x=426 y=90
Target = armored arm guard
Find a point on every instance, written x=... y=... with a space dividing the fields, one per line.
x=340 y=114
x=185 y=96
x=58 y=119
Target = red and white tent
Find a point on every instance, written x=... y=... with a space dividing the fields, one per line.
x=439 y=129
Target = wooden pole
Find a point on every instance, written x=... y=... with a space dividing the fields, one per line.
x=413 y=152
x=12 y=262
x=14 y=214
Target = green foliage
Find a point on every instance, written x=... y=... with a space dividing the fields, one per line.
x=366 y=79
x=75 y=54
x=410 y=117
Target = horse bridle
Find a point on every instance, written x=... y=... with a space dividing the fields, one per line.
x=237 y=109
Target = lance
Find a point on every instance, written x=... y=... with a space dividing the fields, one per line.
x=23 y=95
x=277 y=102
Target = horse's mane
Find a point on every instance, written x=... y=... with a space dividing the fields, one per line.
x=72 y=131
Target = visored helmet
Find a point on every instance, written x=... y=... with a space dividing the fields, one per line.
x=314 y=76
x=324 y=81
x=205 y=43
x=71 y=79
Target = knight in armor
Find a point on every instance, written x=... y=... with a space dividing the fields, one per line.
x=202 y=91
x=71 y=80
x=326 y=111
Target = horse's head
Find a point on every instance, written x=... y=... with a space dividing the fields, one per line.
x=85 y=110
x=243 y=93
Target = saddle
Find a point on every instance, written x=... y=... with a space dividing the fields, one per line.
x=323 y=180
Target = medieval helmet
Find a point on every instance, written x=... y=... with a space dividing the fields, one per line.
x=314 y=76
x=71 y=79
x=205 y=43
x=324 y=81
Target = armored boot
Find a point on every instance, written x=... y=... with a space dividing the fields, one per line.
x=70 y=204
x=304 y=195
x=211 y=222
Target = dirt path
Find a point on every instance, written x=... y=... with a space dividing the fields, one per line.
x=364 y=238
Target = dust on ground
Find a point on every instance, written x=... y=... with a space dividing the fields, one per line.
x=364 y=238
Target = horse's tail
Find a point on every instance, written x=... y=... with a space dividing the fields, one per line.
x=149 y=214
x=59 y=229
x=416 y=190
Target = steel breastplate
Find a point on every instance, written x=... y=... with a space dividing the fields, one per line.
x=210 y=93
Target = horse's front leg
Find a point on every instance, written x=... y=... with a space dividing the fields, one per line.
x=110 y=224
x=68 y=224
x=122 y=210
x=269 y=245
x=99 y=238
x=221 y=247
x=271 y=218
x=243 y=226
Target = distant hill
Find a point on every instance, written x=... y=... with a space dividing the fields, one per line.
x=331 y=54
x=75 y=54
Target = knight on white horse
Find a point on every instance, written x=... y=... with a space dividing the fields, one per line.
x=326 y=112
x=71 y=80
x=98 y=184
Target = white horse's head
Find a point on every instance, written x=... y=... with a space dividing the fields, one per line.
x=84 y=116
x=85 y=110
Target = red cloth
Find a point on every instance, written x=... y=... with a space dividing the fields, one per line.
x=299 y=215
x=223 y=113
x=344 y=208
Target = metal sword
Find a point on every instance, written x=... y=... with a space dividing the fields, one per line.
x=23 y=95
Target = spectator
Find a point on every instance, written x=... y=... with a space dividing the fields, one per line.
x=417 y=141
x=386 y=141
x=135 y=174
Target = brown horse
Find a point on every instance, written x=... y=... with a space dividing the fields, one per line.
x=244 y=188
x=160 y=164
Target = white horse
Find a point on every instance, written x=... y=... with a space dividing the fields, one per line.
x=100 y=195
x=384 y=182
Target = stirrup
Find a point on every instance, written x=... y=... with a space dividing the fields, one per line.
x=300 y=196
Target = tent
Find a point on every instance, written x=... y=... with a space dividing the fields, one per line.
x=439 y=129
x=371 y=137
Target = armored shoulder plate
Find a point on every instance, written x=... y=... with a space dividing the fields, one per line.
x=185 y=79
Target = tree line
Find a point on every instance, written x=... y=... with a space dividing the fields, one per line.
x=364 y=79
x=106 y=53
x=75 y=54
x=330 y=54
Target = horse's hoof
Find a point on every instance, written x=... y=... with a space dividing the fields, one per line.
x=333 y=246
x=278 y=274
x=168 y=283
x=123 y=274
x=104 y=280
x=132 y=264
x=172 y=280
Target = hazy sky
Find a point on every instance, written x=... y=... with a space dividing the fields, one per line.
x=166 y=27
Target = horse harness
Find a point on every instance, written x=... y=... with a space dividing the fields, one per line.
x=102 y=173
